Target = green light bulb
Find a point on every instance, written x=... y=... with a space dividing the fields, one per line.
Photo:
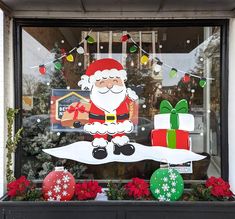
x=90 y=39
x=173 y=73
x=58 y=66
x=202 y=82
x=133 y=48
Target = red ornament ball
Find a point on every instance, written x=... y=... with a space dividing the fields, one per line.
x=58 y=185
x=186 y=78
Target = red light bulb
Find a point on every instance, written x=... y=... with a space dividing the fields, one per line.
x=42 y=69
x=186 y=78
x=125 y=37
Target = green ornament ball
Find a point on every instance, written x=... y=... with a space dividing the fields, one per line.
x=166 y=184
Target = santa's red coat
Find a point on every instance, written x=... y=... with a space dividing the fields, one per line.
x=100 y=126
x=122 y=109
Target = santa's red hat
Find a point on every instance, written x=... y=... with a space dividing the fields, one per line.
x=102 y=69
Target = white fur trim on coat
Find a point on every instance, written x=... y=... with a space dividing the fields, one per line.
x=87 y=82
x=99 y=142
x=121 y=140
x=131 y=94
x=109 y=128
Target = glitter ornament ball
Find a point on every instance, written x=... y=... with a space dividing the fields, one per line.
x=58 y=185
x=166 y=184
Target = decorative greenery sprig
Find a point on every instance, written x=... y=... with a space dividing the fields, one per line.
x=116 y=191
x=12 y=141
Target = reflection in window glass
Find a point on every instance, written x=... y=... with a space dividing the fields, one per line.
x=194 y=50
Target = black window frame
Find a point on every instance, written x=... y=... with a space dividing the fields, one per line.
x=19 y=23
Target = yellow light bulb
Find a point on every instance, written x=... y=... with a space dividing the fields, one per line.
x=70 y=58
x=144 y=59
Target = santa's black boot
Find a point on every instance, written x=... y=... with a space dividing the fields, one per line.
x=127 y=149
x=122 y=146
x=99 y=151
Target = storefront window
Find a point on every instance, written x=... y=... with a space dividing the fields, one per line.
x=194 y=50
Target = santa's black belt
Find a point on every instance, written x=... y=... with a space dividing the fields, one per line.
x=109 y=117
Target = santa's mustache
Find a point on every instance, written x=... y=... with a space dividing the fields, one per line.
x=115 y=89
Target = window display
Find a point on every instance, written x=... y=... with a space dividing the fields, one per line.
x=153 y=64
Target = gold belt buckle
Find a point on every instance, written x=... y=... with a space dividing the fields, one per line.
x=110 y=118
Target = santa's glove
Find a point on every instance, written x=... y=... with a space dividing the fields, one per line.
x=77 y=124
x=131 y=94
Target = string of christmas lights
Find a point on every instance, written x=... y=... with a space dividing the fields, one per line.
x=144 y=60
x=68 y=55
x=158 y=63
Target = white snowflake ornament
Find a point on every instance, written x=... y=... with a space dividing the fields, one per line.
x=166 y=184
x=58 y=185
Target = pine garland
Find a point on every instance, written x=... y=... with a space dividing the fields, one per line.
x=12 y=141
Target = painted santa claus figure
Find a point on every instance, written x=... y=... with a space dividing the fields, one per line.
x=109 y=107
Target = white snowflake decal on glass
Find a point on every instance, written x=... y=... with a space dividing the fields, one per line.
x=165 y=179
x=165 y=187
x=173 y=183
x=49 y=193
x=64 y=193
x=173 y=190
x=65 y=186
x=170 y=170
x=157 y=191
x=173 y=176
x=57 y=188
x=66 y=178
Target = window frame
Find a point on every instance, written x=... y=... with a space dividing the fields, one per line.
x=19 y=23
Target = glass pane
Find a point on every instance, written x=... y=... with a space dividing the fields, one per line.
x=193 y=50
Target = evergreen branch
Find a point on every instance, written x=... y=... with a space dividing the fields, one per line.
x=12 y=142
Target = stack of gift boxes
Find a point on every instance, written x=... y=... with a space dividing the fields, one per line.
x=172 y=126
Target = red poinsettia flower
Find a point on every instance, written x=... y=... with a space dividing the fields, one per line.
x=18 y=187
x=218 y=187
x=87 y=190
x=137 y=188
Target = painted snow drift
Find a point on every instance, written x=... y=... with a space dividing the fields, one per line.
x=82 y=152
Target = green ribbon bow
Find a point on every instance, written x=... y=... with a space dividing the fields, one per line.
x=180 y=107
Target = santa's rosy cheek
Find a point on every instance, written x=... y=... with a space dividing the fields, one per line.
x=117 y=81
x=100 y=84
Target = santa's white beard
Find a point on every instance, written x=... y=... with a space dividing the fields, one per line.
x=108 y=99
